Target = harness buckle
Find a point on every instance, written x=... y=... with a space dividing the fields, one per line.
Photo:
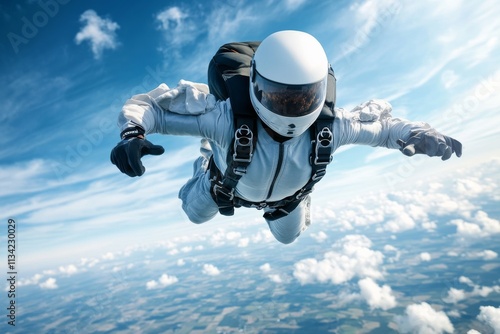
x=303 y=193
x=240 y=170
x=243 y=144
x=261 y=206
x=319 y=174
x=219 y=189
x=324 y=146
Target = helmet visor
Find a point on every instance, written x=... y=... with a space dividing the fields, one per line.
x=288 y=100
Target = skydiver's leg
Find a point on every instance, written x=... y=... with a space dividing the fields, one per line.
x=288 y=228
x=197 y=202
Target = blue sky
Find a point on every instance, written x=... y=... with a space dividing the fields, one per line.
x=67 y=67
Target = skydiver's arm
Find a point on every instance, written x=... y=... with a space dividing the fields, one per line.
x=371 y=123
x=187 y=109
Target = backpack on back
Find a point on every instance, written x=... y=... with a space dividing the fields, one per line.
x=229 y=77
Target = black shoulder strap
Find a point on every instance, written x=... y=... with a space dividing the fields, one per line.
x=229 y=76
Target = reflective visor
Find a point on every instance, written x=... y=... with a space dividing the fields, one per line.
x=288 y=100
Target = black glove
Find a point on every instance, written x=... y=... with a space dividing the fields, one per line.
x=128 y=153
x=432 y=143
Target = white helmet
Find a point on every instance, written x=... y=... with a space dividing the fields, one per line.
x=288 y=81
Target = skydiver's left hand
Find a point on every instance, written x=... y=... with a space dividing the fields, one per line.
x=432 y=143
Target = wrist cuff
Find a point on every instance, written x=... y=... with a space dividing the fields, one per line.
x=132 y=132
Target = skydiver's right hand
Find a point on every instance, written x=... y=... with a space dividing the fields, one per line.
x=128 y=153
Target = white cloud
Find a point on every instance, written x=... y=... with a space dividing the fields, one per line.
x=423 y=319
x=167 y=280
x=351 y=256
x=263 y=236
x=456 y=295
x=181 y=262
x=99 y=32
x=108 y=256
x=69 y=270
x=377 y=296
x=49 y=284
x=479 y=226
x=392 y=249
x=319 y=237
x=473 y=331
x=220 y=237
x=186 y=249
x=486 y=255
x=243 y=242
x=163 y=281
x=173 y=251
x=266 y=267
x=424 y=256
x=210 y=269
x=275 y=278
x=465 y=280
x=491 y=316
x=30 y=281
x=151 y=285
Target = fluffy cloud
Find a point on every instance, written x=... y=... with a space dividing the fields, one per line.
x=392 y=249
x=320 y=236
x=220 y=237
x=425 y=257
x=266 y=267
x=99 y=32
x=243 y=242
x=49 y=284
x=486 y=255
x=108 y=256
x=423 y=319
x=210 y=269
x=491 y=316
x=351 y=256
x=456 y=295
x=376 y=296
x=275 y=278
x=263 y=235
x=163 y=281
x=480 y=226
x=30 y=281
x=69 y=270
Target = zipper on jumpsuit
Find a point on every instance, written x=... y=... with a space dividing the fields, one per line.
x=278 y=169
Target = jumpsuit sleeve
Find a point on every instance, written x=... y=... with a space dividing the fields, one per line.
x=371 y=123
x=188 y=110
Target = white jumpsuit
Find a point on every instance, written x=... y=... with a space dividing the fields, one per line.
x=190 y=110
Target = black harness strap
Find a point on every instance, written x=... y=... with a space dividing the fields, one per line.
x=228 y=76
